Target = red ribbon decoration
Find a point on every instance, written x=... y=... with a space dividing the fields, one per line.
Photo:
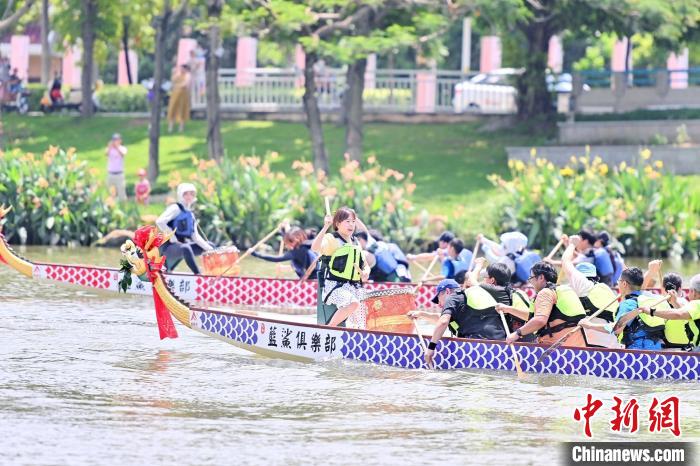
x=166 y=326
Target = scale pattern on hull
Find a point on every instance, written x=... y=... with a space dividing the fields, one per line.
x=405 y=351
x=233 y=327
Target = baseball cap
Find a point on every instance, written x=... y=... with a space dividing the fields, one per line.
x=587 y=269
x=116 y=136
x=446 y=284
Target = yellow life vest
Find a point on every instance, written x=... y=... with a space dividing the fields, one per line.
x=478 y=298
x=683 y=333
x=599 y=296
x=346 y=262
x=521 y=302
x=653 y=325
x=568 y=308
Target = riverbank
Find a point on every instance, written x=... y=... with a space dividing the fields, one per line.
x=450 y=162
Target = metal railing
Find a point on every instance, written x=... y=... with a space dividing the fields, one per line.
x=395 y=91
x=642 y=78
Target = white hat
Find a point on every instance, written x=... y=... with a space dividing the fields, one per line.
x=183 y=188
x=513 y=241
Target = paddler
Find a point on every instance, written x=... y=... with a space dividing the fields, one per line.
x=644 y=331
x=556 y=309
x=343 y=269
x=683 y=323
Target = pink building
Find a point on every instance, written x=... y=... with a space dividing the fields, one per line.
x=24 y=52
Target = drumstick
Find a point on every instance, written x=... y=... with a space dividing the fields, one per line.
x=249 y=251
x=328 y=205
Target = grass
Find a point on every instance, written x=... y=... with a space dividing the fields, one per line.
x=450 y=162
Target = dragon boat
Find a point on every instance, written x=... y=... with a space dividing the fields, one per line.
x=297 y=338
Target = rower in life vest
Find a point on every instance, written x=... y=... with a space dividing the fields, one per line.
x=608 y=262
x=556 y=309
x=512 y=245
x=644 y=331
x=298 y=251
x=343 y=270
x=187 y=242
x=583 y=279
x=457 y=259
x=682 y=329
x=474 y=309
x=390 y=263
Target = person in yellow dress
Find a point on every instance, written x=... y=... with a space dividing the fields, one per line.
x=179 y=105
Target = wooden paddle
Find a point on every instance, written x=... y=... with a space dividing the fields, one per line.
x=422 y=343
x=278 y=265
x=474 y=254
x=250 y=250
x=425 y=275
x=516 y=359
x=624 y=320
x=559 y=342
x=554 y=250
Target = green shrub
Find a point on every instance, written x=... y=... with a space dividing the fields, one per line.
x=37 y=91
x=649 y=211
x=242 y=199
x=53 y=203
x=114 y=98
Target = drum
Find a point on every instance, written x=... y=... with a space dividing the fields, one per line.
x=220 y=261
x=386 y=309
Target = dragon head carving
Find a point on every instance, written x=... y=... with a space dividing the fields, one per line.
x=142 y=254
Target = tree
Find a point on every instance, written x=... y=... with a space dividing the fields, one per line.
x=10 y=16
x=88 y=34
x=347 y=32
x=214 y=144
x=309 y=23
x=94 y=24
x=388 y=26
x=45 y=46
x=536 y=21
x=161 y=22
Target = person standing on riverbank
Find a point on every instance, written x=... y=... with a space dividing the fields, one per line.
x=179 y=104
x=115 y=166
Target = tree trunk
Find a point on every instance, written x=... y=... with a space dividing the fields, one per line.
x=161 y=27
x=125 y=46
x=45 y=46
x=534 y=99
x=356 y=87
x=87 y=32
x=313 y=114
x=212 y=77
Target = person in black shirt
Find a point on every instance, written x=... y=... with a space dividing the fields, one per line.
x=298 y=251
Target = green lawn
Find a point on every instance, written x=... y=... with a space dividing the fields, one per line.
x=450 y=162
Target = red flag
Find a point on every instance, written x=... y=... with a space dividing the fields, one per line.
x=166 y=326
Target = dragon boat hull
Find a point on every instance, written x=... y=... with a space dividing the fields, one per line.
x=298 y=341
x=291 y=294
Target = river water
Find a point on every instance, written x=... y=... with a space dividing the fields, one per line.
x=84 y=379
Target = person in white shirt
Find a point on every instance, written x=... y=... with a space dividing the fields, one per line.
x=187 y=243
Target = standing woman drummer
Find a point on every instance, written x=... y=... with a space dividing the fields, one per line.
x=187 y=242
x=343 y=269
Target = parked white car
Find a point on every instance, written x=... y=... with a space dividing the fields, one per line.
x=494 y=92
x=491 y=92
